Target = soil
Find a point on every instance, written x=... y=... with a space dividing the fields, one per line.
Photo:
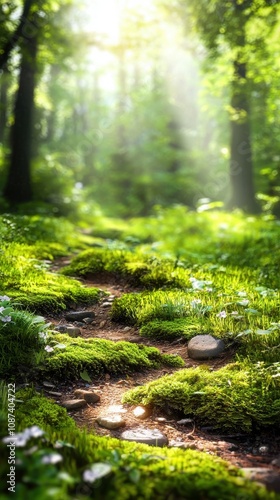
x=256 y=450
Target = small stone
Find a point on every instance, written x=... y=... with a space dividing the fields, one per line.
x=53 y=393
x=79 y=315
x=177 y=444
x=161 y=420
x=204 y=347
x=49 y=384
x=142 y=412
x=61 y=328
x=111 y=422
x=102 y=323
x=89 y=396
x=127 y=329
x=276 y=461
x=111 y=297
x=152 y=437
x=74 y=404
x=185 y=421
x=88 y=321
x=73 y=331
x=263 y=450
x=79 y=324
x=106 y=304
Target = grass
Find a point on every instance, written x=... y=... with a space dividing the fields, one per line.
x=71 y=357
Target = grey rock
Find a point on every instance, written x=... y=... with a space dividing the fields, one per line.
x=263 y=449
x=185 y=421
x=265 y=476
x=73 y=331
x=152 y=437
x=89 y=396
x=74 y=404
x=54 y=393
x=61 y=328
x=79 y=315
x=49 y=384
x=276 y=462
x=204 y=347
x=106 y=304
x=88 y=321
x=126 y=329
x=111 y=422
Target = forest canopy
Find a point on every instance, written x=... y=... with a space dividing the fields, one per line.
x=122 y=106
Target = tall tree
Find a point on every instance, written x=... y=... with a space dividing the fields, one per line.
x=222 y=25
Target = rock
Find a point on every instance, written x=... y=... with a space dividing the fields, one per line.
x=102 y=323
x=53 y=393
x=264 y=475
x=276 y=462
x=127 y=329
x=111 y=422
x=74 y=404
x=61 y=328
x=111 y=297
x=87 y=321
x=161 y=420
x=79 y=315
x=49 y=384
x=89 y=396
x=263 y=450
x=79 y=324
x=142 y=412
x=152 y=437
x=205 y=346
x=73 y=331
x=185 y=421
x=106 y=304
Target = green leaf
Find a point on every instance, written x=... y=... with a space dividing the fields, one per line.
x=85 y=376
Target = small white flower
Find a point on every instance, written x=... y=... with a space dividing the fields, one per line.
x=48 y=348
x=4 y=298
x=6 y=319
x=52 y=458
x=2 y=309
x=195 y=302
x=43 y=335
x=222 y=314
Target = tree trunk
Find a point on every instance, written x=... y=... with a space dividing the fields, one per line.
x=241 y=164
x=4 y=86
x=18 y=187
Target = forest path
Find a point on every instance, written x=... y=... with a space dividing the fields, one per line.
x=255 y=451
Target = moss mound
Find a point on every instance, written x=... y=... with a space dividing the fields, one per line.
x=185 y=328
x=99 y=356
x=35 y=409
x=234 y=398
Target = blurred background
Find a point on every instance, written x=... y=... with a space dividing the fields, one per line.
x=115 y=107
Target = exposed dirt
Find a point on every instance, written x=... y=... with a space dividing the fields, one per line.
x=242 y=450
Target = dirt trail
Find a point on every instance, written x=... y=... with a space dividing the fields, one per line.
x=241 y=450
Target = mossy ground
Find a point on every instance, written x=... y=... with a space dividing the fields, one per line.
x=99 y=356
x=132 y=471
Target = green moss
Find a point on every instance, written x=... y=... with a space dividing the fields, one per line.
x=137 y=471
x=185 y=328
x=98 y=356
x=33 y=408
x=233 y=398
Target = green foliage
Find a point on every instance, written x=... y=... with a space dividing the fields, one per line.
x=21 y=340
x=32 y=408
x=70 y=357
x=236 y=397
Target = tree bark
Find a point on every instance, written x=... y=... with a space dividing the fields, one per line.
x=18 y=186
x=18 y=33
x=4 y=86
x=241 y=164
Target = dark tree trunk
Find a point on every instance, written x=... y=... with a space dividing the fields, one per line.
x=18 y=187
x=4 y=86
x=241 y=164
